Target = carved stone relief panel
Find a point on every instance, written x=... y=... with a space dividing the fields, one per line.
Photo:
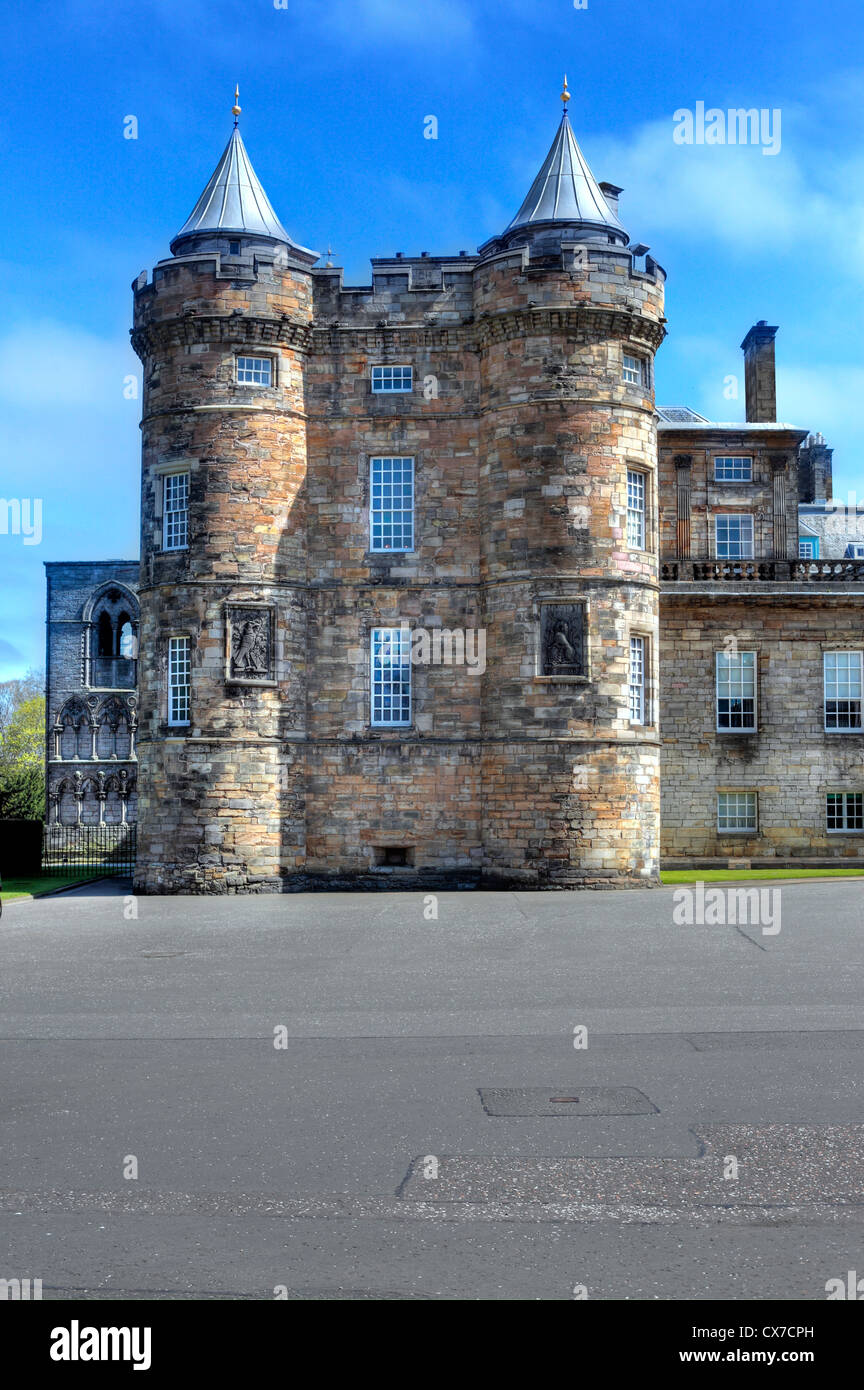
x=562 y=639
x=250 y=645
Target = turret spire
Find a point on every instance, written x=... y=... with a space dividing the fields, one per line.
x=236 y=108
x=234 y=204
x=565 y=189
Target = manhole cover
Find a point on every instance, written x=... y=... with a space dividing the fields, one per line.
x=561 y=1100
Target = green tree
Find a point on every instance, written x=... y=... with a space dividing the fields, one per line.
x=22 y=745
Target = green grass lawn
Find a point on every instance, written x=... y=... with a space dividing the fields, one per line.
x=731 y=875
x=42 y=883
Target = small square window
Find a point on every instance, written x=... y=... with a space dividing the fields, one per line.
x=255 y=371
x=233 y=248
x=634 y=370
x=392 y=379
x=808 y=547
x=736 y=811
x=844 y=811
x=734 y=536
x=733 y=468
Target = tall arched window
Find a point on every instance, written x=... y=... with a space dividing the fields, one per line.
x=111 y=616
x=105 y=636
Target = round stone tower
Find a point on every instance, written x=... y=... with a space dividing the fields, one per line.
x=568 y=326
x=222 y=331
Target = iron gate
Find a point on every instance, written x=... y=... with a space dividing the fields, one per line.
x=95 y=849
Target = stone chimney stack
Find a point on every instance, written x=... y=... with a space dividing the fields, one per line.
x=814 y=470
x=759 y=378
x=611 y=192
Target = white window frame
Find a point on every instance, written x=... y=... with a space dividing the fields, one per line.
x=733 y=688
x=736 y=473
x=808 y=554
x=836 y=685
x=254 y=371
x=752 y=826
x=634 y=375
x=745 y=541
x=381 y=688
x=637 y=678
x=386 y=382
x=637 y=493
x=175 y=520
x=179 y=691
x=383 y=488
x=856 y=813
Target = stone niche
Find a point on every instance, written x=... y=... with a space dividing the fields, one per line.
x=562 y=640
x=250 y=646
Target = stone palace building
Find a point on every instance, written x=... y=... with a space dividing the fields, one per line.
x=432 y=593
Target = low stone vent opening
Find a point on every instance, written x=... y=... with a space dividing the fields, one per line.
x=394 y=856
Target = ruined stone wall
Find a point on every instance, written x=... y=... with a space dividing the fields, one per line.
x=790 y=762
x=70 y=679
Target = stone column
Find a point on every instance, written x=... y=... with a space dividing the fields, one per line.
x=781 y=543
x=683 y=464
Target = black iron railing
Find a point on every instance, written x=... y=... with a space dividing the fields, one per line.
x=96 y=849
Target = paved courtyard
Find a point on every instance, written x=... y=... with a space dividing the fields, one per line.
x=299 y=1080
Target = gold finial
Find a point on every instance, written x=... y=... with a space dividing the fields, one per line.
x=565 y=95
x=235 y=109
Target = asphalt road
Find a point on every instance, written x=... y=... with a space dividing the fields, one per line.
x=298 y=1080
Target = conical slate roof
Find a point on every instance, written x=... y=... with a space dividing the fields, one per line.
x=234 y=201
x=565 y=190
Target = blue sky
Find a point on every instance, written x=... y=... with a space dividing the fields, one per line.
x=334 y=95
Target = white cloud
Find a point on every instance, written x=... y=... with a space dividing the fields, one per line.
x=734 y=195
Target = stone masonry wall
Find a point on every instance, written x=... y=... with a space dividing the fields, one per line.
x=791 y=762
x=522 y=432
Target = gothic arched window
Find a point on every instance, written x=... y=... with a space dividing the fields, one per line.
x=111 y=616
x=105 y=636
